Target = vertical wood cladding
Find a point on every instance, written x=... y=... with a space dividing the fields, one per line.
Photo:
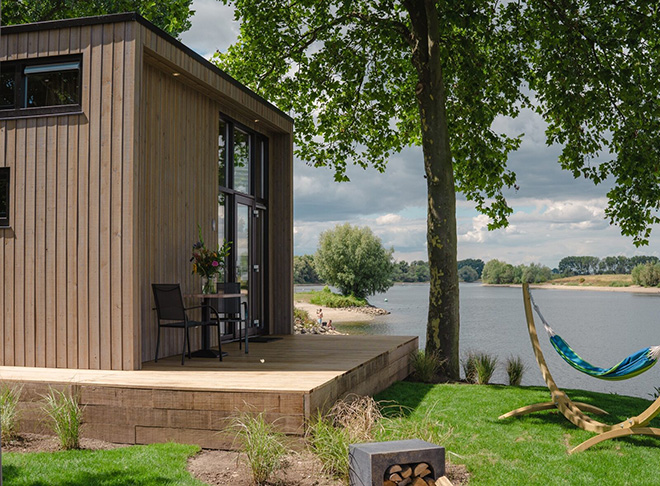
x=62 y=258
x=178 y=181
x=105 y=202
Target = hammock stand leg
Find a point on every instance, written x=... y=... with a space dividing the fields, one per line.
x=615 y=433
x=538 y=407
x=573 y=411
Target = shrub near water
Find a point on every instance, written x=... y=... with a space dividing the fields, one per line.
x=66 y=417
x=9 y=414
x=326 y=298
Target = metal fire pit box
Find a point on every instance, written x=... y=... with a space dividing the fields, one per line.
x=368 y=462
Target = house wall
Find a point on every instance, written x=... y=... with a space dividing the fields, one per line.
x=105 y=202
x=177 y=191
x=66 y=263
x=178 y=140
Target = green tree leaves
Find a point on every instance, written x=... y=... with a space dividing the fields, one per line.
x=595 y=71
x=173 y=16
x=365 y=78
x=354 y=260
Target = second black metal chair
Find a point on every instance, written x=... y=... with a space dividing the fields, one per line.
x=230 y=310
x=170 y=308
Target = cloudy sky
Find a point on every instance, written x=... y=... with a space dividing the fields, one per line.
x=554 y=214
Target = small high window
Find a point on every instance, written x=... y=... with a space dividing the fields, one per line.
x=4 y=196
x=52 y=84
x=40 y=86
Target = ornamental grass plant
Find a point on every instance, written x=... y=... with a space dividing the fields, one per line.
x=351 y=420
x=426 y=366
x=469 y=365
x=485 y=366
x=65 y=414
x=262 y=444
x=9 y=412
x=515 y=369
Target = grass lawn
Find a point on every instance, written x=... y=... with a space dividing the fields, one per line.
x=531 y=450
x=153 y=465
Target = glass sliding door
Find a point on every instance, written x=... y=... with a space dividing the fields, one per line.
x=242 y=206
x=242 y=252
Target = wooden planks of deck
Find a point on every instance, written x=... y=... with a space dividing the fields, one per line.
x=287 y=379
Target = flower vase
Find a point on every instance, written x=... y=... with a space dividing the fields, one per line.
x=209 y=284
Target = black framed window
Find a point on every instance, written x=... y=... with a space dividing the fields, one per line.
x=242 y=214
x=40 y=86
x=7 y=87
x=4 y=196
x=242 y=160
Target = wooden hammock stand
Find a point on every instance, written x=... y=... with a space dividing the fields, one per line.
x=573 y=411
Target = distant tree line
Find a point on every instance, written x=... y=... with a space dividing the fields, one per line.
x=416 y=271
x=590 y=265
x=469 y=270
x=498 y=272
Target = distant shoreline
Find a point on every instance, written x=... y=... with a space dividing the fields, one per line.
x=631 y=288
x=337 y=316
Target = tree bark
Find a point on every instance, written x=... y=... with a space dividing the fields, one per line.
x=442 y=334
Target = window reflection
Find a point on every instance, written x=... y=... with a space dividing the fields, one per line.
x=242 y=250
x=241 y=161
x=7 y=87
x=4 y=196
x=222 y=221
x=52 y=84
x=222 y=155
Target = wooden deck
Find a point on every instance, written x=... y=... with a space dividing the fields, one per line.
x=287 y=379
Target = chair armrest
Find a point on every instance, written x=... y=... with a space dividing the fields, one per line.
x=217 y=316
x=194 y=307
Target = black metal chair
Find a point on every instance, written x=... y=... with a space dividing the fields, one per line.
x=170 y=308
x=230 y=310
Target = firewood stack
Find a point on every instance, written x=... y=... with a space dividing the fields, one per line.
x=418 y=474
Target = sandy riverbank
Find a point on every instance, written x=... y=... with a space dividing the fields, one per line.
x=632 y=288
x=336 y=315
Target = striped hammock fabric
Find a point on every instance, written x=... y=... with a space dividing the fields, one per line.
x=631 y=366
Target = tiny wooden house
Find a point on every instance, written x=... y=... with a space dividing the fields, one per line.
x=117 y=142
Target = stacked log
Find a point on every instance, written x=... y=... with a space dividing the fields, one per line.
x=418 y=474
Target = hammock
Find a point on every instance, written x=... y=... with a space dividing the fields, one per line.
x=631 y=366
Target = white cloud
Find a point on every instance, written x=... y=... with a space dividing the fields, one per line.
x=388 y=219
x=213 y=28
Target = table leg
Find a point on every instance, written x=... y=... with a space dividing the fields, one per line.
x=206 y=351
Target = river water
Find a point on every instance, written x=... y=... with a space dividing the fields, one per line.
x=602 y=327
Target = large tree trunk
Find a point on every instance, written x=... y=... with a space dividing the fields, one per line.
x=442 y=334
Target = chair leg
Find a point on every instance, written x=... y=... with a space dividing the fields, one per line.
x=246 y=336
x=157 y=344
x=219 y=342
x=245 y=308
x=183 y=351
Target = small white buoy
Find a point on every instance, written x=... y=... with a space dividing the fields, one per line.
x=262 y=360
x=385 y=300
